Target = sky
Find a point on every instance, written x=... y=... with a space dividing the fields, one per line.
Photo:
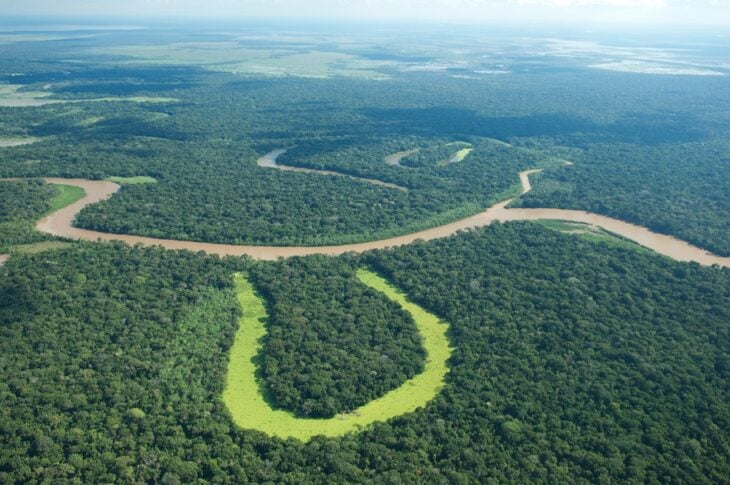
x=675 y=12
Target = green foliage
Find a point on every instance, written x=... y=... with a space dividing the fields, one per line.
x=250 y=410
x=99 y=354
x=590 y=233
x=678 y=190
x=137 y=413
x=346 y=347
x=511 y=430
x=594 y=360
x=22 y=202
x=24 y=199
x=651 y=158
x=39 y=247
x=572 y=362
x=64 y=195
x=435 y=155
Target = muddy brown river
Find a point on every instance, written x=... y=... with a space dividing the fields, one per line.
x=60 y=223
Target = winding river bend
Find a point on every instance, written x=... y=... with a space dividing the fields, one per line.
x=269 y=161
x=249 y=409
x=395 y=158
x=60 y=223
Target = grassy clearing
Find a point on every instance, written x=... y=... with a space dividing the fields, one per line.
x=460 y=155
x=155 y=116
x=250 y=410
x=228 y=56
x=17 y=141
x=590 y=233
x=90 y=121
x=65 y=195
x=11 y=96
x=562 y=226
x=139 y=180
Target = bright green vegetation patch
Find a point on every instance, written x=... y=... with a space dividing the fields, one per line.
x=308 y=64
x=590 y=233
x=64 y=195
x=562 y=226
x=90 y=121
x=572 y=363
x=155 y=116
x=139 y=180
x=461 y=155
x=250 y=410
x=439 y=155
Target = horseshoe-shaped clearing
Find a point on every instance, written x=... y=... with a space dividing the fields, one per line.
x=249 y=410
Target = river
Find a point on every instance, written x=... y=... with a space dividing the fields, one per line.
x=60 y=223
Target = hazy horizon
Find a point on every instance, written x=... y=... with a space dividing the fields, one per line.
x=586 y=13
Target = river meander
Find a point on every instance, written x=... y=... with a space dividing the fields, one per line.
x=60 y=223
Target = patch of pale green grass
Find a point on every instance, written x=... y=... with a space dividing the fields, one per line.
x=250 y=410
x=90 y=121
x=138 y=180
x=11 y=96
x=590 y=233
x=17 y=141
x=461 y=155
x=563 y=226
x=65 y=195
x=230 y=56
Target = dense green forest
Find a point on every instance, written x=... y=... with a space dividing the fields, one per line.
x=685 y=193
x=21 y=204
x=434 y=155
x=202 y=143
x=574 y=362
x=345 y=347
x=577 y=358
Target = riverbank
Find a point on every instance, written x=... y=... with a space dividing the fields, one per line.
x=60 y=223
